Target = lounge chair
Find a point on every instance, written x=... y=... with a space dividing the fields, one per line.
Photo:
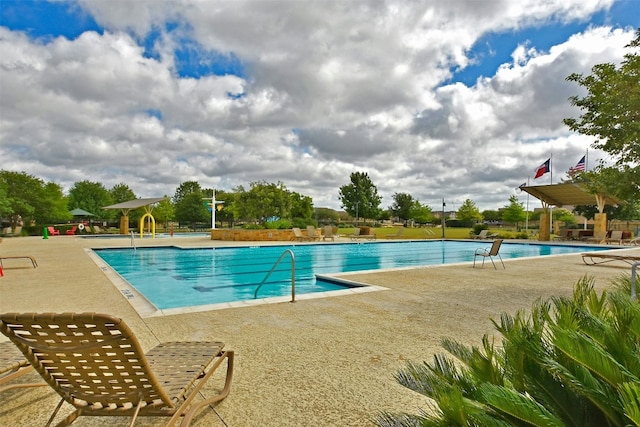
x=494 y=250
x=484 y=234
x=357 y=235
x=594 y=258
x=396 y=235
x=313 y=233
x=71 y=231
x=599 y=237
x=565 y=234
x=328 y=233
x=13 y=365
x=96 y=364
x=615 y=237
x=297 y=235
x=53 y=232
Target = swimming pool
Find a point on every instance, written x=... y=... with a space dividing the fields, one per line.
x=171 y=277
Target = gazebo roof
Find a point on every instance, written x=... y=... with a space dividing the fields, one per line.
x=136 y=203
x=572 y=194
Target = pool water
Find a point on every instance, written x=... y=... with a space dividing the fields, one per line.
x=171 y=277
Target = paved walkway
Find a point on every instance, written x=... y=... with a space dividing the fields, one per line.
x=327 y=361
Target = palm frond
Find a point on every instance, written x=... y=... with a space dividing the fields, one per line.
x=630 y=398
x=519 y=406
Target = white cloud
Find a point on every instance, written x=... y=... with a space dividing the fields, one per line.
x=330 y=88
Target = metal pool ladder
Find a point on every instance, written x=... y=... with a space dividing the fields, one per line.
x=133 y=242
x=293 y=274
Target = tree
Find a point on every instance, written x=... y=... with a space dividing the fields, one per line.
x=420 y=213
x=301 y=206
x=468 y=211
x=514 y=212
x=491 y=215
x=262 y=202
x=164 y=212
x=30 y=199
x=570 y=362
x=402 y=205
x=327 y=215
x=90 y=196
x=610 y=112
x=360 y=198
x=564 y=215
x=189 y=203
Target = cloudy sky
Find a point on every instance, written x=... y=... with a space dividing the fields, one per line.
x=440 y=99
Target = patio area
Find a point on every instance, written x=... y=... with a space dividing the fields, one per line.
x=325 y=361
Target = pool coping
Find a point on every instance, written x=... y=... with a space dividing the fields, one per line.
x=146 y=309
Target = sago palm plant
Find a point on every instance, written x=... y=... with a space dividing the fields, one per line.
x=568 y=362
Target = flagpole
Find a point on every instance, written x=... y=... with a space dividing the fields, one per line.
x=526 y=224
x=551 y=207
x=586 y=161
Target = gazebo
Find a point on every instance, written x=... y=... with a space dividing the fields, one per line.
x=125 y=207
x=569 y=194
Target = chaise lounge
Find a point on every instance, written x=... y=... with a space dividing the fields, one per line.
x=13 y=365
x=96 y=364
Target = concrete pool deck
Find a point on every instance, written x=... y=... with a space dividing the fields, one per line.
x=325 y=361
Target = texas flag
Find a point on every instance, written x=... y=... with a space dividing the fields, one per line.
x=543 y=168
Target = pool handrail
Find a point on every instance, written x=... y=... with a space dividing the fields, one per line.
x=293 y=274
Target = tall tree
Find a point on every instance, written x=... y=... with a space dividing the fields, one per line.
x=30 y=199
x=122 y=193
x=468 y=211
x=189 y=203
x=262 y=202
x=514 y=212
x=164 y=211
x=90 y=196
x=610 y=112
x=402 y=205
x=420 y=213
x=360 y=198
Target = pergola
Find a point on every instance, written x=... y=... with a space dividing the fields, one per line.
x=569 y=194
x=125 y=207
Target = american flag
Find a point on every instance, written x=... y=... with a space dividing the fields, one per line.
x=580 y=167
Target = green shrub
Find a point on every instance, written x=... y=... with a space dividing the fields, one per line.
x=477 y=228
x=569 y=362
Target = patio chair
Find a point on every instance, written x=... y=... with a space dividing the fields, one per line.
x=53 y=232
x=313 y=233
x=13 y=365
x=484 y=234
x=297 y=235
x=328 y=233
x=96 y=364
x=71 y=231
x=615 y=237
x=494 y=250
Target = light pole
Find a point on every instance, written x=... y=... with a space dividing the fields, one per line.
x=443 y=221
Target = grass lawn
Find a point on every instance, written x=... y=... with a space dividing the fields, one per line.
x=431 y=232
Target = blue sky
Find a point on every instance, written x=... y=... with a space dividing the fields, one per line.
x=494 y=49
x=45 y=20
x=228 y=93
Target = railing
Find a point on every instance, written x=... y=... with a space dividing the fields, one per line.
x=293 y=274
x=133 y=242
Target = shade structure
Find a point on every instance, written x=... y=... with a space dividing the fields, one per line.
x=567 y=194
x=80 y=212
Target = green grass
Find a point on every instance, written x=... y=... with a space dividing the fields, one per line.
x=433 y=232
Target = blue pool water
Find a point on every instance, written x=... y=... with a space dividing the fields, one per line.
x=171 y=277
